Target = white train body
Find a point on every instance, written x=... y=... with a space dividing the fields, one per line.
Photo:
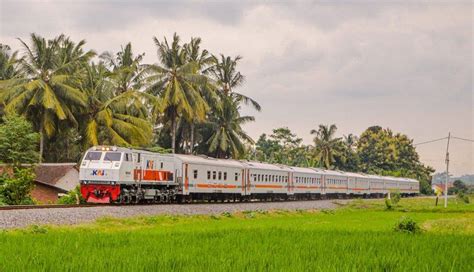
x=115 y=174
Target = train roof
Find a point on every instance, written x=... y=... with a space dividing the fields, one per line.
x=330 y=172
x=208 y=160
x=266 y=166
x=305 y=170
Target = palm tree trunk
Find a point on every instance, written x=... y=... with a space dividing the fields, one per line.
x=191 y=146
x=40 y=159
x=173 y=134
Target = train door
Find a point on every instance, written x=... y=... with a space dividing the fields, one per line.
x=351 y=184
x=244 y=182
x=323 y=184
x=137 y=167
x=290 y=182
x=186 y=178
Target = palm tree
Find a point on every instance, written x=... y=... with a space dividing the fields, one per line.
x=8 y=68
x=204 y=61
x=350 y=140
x=127 y=72
x=8 y=63
x=325 y=144
x=227 y=78
x=175 y=82
x=107 y=118
x=226 y=136
x=48 y=93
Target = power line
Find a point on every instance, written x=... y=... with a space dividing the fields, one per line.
x=440 y=139
x=468 y=140
x=432 y=141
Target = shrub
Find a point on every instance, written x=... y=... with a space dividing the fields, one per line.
x=72 y=197
x=15 y=189
x=18 y=141
x=226 y=214
x=407 y=225
x=463 y=197
x=388 y=203
x=395 y=197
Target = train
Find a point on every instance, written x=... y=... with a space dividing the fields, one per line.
x=110 y=174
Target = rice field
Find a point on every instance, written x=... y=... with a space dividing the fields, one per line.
x=356 y=237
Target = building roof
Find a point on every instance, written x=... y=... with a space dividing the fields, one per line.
x=52 y=174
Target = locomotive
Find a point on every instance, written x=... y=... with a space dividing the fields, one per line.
x=110 y=174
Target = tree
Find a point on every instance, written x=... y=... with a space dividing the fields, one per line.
x=458 y=187
x=325 y=145
x=8 y=68
x=113 y=115
x=174 y=81
x=227 y=78
x=47 y=93
x=226 y=136
x=385 y=153
x=18 y=141
x=127 y=73
x=15 y=189
x=8 y=63
x=204 y=60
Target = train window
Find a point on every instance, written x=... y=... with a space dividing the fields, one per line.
x=273 y=178
x=208 y=174
x=112 y=156
x=195 y=174
x=219 y=175
x=213 y=175
x=266 y=177
x=236 y=176
x=93 y=156
x=161 y=165
x=139 y=158
x=225 y=175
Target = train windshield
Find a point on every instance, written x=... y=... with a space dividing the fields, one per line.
x=93 y=156
x=112 y=156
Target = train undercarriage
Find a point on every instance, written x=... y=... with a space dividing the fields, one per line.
x=155 y=194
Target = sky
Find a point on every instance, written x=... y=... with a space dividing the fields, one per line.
x=404 y=65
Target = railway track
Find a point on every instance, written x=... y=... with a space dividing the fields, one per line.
x=47 y=206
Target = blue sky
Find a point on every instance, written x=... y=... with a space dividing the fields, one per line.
x=404 y=65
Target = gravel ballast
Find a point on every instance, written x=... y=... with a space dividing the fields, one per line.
x=68 y=216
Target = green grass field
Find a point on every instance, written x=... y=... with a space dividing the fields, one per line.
x=356 y=237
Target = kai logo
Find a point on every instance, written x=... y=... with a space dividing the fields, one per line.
x=97 y=172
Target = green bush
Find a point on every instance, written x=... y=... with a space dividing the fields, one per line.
x=408 y=225
x=463 y=197
x=73 y=197
x=395 y=197
x=15 y=189
x=388 y=203
x=18 y=141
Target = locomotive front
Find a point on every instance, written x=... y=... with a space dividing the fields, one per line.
x=100 y=174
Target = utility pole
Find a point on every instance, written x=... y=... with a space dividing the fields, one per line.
x=447 y=174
